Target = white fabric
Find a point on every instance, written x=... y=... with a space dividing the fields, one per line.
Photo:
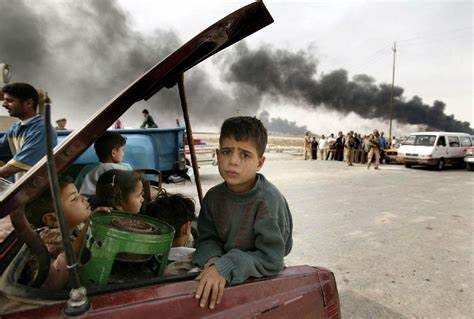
x=90 y=180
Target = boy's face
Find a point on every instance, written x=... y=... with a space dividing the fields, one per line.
x=239 y=163
x=75 y=206
x=117 y=154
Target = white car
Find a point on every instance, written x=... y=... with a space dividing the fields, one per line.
x=436 y=149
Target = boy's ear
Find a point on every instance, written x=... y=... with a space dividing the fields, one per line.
x=261 y=161
x=114 y=152
x=50 y=220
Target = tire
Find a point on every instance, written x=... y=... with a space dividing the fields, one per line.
x=470 y=166
x=440 y=164
x=407 y=165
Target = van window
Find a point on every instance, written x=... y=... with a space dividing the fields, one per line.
x=453 y=141
x=420 y=140
x=441 y=141
x=465 y=141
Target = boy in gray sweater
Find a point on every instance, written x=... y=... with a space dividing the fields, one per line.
x=245 y=225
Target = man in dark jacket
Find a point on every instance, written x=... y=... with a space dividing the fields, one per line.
x=148 y=121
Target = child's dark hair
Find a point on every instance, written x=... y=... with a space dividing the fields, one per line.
x=243 y=128
x=22 y=91
x=106 y=143
x=114 y=187
x=174 y=209
x=35 y=209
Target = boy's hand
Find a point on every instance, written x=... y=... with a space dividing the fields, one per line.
x=211 y=284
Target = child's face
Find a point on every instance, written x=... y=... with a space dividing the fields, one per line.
x=239 y=163
x=117 y=154
x=76 y=206
x=134 y=200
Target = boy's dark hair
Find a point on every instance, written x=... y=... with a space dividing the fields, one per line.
x=106 y=143
x=145 y=111
x=35 y=209
x=114 y=187
x=22 y=91
x=243 y=128
x=174 y=209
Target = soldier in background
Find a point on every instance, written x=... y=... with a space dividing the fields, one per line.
x=374 y=149
x=356 y=149
x=307 y=146
x=349 y=147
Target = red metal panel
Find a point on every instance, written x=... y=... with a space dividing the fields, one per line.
x=296 y=291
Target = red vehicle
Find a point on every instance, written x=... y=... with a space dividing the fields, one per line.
x=302 y=291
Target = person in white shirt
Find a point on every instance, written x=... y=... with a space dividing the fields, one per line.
x=110 y=149
x=323 y=147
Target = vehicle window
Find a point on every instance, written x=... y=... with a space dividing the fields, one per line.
x=420 y=140
x=410 y=140
x=453 y=141
x=465 y=141
x=441 y=141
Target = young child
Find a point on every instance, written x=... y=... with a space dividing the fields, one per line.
x=121 y=190
x=245 y=225
x=178 y=211
x=76 y=213
x=110 y=149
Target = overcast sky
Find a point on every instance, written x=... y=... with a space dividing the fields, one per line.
x=85 y=52
x=434 y=39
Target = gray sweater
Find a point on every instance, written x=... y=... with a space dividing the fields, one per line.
x=250 y=232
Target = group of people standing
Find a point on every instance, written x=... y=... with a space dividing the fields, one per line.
x=351 y=147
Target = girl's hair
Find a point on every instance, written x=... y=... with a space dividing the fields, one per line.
x=174 y=209
x=35 y=209
x=115 y=186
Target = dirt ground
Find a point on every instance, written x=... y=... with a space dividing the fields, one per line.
x=400 y=241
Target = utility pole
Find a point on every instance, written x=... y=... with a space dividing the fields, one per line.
x=394 y=49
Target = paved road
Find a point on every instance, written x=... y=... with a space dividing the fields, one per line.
x=400 y=241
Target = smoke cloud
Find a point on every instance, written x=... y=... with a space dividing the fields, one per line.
x=283 y=74
x=85 y=52
x=281 y=125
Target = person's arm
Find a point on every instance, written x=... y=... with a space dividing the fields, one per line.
x=208 y=244
x=8 y=170
x=237 y=265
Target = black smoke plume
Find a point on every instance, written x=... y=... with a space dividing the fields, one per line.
x=85 y=52
x=281 y=125
x=284 y=74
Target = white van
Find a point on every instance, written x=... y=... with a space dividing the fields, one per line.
x=434 y=149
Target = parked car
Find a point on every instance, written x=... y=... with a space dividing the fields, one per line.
x=469 y=158
x=301 y=291
x=436 y=149
x=391 y=156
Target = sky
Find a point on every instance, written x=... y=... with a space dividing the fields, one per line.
x=433 y=59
